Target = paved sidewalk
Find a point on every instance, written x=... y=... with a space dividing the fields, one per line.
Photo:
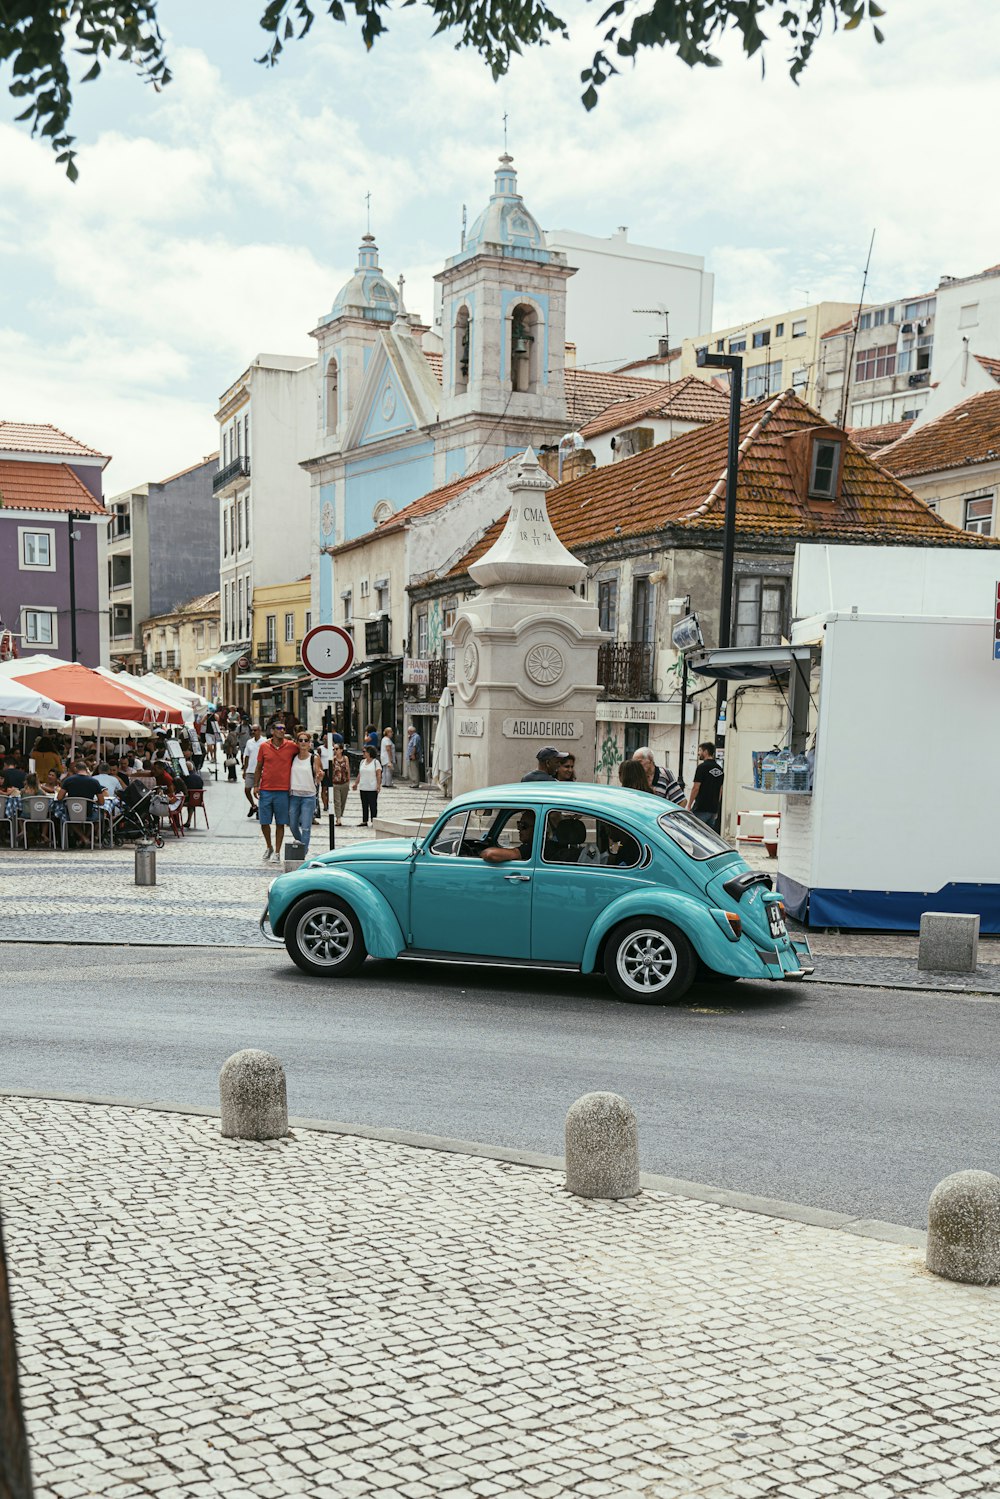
x=338 y=1317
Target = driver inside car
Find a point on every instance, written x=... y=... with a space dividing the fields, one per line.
x=496 y=854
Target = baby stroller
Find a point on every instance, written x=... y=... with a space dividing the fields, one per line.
x=138 y=819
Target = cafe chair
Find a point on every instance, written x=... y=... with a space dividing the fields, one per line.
x=36 y=812
x=76 y=815
x=195 y=801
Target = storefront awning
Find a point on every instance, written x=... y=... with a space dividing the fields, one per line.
x=747 y=663
x=250 y=676
x=220 y=662
x=369 y=668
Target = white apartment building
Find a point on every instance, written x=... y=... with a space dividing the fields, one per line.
x=266 y=420
x=886 y=360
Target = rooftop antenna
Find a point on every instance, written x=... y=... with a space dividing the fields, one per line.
x=842 y=414
x=664 y=337
x=805 y=293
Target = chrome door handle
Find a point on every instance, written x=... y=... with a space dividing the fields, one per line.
x=518 y=879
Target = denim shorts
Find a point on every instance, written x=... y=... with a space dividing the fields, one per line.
x=272 y=806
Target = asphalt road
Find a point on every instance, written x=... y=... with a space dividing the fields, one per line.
x=857 y=1100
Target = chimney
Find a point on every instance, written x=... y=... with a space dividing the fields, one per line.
x=571 y=356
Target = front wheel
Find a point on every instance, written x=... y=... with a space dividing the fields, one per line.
x=323 y=937
x=649 y=961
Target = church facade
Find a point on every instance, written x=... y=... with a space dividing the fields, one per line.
x=402 y=409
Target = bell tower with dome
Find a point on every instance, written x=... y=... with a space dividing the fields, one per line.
x=345 y=337
x=503 y=328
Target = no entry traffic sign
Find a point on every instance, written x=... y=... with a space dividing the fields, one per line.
x=327 y=652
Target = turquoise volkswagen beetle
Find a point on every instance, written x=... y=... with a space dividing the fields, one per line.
x=544 y=875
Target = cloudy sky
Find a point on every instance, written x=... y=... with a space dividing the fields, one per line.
x=218 y=219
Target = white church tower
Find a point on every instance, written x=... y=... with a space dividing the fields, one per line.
x=503 y=327
x=345 y=339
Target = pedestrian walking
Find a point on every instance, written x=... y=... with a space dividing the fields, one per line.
x=303 y=785
x=387 y=757
x=250 y=752
x=549 y=760
x=340 y=778
x=661 y=780
x=414 y=755
x=271 y=783
x=230 y=753
x=368 y=781
x=706 y=791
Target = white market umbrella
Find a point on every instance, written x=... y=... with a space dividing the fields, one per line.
x=17 y=700
x=442 y=760
x=171 y=690
x=147 y=690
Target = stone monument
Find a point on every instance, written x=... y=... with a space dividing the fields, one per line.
x=525 y=650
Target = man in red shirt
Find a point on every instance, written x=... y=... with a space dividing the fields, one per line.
x=271 y=782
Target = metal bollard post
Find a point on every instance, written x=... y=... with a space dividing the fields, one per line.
x=145 y=864
x=333 y=831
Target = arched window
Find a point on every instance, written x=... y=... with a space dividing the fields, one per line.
x=332 y=397
x=463 y=347
x=524 y=351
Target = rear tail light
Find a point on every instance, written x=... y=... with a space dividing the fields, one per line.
x=735 y=923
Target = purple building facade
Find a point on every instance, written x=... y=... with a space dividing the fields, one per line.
x=53 y=528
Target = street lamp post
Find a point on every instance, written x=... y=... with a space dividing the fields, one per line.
x=734 y=364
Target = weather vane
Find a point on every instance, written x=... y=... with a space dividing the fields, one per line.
x=368 y=211
x=505 y=132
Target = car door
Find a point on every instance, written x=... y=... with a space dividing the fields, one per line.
x=584 y=863
x=463 y=902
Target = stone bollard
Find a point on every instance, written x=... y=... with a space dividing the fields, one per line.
x=253 y=1097
x=963 y=1228
x=602 y=1147
x=949 y=943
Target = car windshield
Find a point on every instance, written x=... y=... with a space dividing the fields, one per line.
x=692 y=835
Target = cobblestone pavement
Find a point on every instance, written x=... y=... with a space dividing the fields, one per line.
x=210 y=887
x=341 y=1317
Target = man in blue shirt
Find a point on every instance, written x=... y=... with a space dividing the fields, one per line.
x=414 y=755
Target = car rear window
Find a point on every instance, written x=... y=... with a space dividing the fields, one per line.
x=692 y=835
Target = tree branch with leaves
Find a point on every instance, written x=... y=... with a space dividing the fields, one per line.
x=36 y=39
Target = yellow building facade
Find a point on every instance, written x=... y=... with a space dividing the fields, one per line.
x=779 y=353
x=276 y=681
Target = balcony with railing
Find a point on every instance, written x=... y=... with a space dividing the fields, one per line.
x=625 y=669
x=171 y=659
x=227 y=479
x=267 y=652
x=157 y=660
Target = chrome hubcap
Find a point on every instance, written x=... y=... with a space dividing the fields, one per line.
x=325 y=936
x=647 y=961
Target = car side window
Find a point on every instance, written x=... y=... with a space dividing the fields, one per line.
x=581 y=838
x=470 y=834
x=448 y=838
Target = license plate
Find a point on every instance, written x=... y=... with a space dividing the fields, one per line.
x=776 y=922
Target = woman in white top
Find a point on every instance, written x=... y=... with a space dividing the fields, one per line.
x=369 y=782
x=305 y=773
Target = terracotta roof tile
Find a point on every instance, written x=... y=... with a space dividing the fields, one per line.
x=840 y=328
x=688 y=399
x=589 y=392
x=425 y=505
x=40 y=437
x=44 y=486
x=680 y=485
x=874 y=438
x=968 y=433
x=991 y=366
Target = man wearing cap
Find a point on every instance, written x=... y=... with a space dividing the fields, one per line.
x=272 y=779
x=549 y=761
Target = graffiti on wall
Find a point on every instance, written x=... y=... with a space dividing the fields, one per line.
x=610 y=758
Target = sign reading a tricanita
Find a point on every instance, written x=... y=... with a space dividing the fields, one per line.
x=543 y=728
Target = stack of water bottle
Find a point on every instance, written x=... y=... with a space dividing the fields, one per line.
x=781 y=771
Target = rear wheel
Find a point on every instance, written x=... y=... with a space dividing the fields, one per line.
x=323 y=937
x=649 y=961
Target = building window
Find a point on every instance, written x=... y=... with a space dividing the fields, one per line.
x=309 y=621
x=720 y=345
x=123 y=522
x=642 y=611
x=824 y=470
x=866 y=321
x=879 y=317
x=762 y=338
x=737 y=345
x=422 y=636
x=271 y=630
x=979 y=514
x=762 y=380
x=248 y=618
x=779 y=330
x=238 y=509
x=332 y=396
x=524 y=350
x=239 y=616
x=761 y=610
x=246 y=520
x=923 y=308
x=800 y=379
x=607 y=605
x=799 y=327
x=246 y=435
x=346 y=598
x=289 y=629
x=875 y=364
x=39 y=627
x=38 y=550
x=463 y=346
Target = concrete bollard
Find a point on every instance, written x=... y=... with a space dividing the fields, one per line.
x=949 y=943
x=294 y=854
x=963 y=1228
x=602 y=1147
x=253 y=1097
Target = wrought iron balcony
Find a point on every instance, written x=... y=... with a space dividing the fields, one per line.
x=268 y=652
x=157 y=658
x=625 y=669
x=238 y=469
x=171 y=659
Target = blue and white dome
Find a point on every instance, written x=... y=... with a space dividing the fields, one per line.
x=505 y=226
x=368 y=294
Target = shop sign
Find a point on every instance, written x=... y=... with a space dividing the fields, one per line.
x=543 y=728
x=416 y=673
x=327 y=692
x=643 y=713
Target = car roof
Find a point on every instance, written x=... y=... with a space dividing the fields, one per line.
x=583 y=795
